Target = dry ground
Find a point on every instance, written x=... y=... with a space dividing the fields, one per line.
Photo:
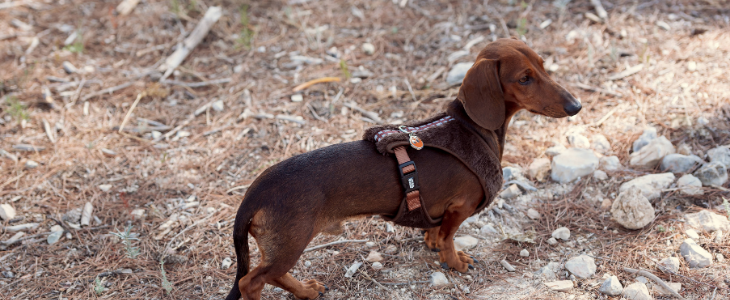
x=215 y=155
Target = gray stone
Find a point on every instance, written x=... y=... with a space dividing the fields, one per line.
x=600 y=144
x=578 y=140
x=548 y=271
x=488 y=230
x=539 y=169
x=646 y=137
x=720 y=154
x=457 y=73
x=8 y=274
x=552 y=241
x=511 y=173
x=636 y=291
x=660 y=291
x=650 y=155
x=560 y=286
x=533 y=214
x=7 y=212
x=226 y=263
x=600 y=175
x=524 y=253
x=54 y=237
x=678 y=163
x=438 y=279
x=669 y=264
x=510 y=192
x=582 y=266
x=611 y=286
x=507 y=266
x=562 y=233
x=651 y=185
x=690 y=185
x=555 y=150
x=610 y=163
x=573 y=163
x=695 y=256
x=632 y=210
x=712 y=174
x=707 y=221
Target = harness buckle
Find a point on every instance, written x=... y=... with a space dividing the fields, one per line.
x=409 y=179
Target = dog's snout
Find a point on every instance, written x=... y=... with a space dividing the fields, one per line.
x=572 y=106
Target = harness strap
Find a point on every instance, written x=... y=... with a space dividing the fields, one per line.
x=409 y=177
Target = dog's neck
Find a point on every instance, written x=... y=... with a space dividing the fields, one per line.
x=456 y=110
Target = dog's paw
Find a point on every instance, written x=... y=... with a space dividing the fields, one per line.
x=465 y=258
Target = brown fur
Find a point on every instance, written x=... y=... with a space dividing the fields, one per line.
x=293 y=201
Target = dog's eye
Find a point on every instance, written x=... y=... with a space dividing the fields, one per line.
x=524 y=80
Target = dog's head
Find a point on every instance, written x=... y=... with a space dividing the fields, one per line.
x=509 y=76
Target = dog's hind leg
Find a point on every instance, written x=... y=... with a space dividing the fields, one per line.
x=430 y=237
x=448 y=256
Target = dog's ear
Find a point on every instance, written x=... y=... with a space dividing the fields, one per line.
x=482 y=96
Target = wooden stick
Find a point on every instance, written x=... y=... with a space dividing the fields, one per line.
x=373 y=280
x=599 y=9
x=109 y=90
x=315 y=81
x=656 y=279
x=49 y=133
x=628 y=72
x=201 y=30
x=174 y=130
x=196 y=84
x=129 y=113
x=334 y=243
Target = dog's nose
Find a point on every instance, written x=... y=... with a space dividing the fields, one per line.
x=572 y=107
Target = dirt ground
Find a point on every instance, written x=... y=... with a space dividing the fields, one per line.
x=175 y=174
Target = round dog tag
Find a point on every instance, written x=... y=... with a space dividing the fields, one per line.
x=416 y=143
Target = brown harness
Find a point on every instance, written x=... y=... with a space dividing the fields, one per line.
x=409 y=177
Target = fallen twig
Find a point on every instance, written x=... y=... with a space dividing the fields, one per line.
x=314 y=113
x=373 y=280
x=196 y=84
x=599 y=9
x=315 y=81
x=596 y=89
x=655 y=278
x=628 y=72
x=49 y=133
x=109 y=90
x=129 y=113
x=201 y=30
x=334 y=243
x=369 y=114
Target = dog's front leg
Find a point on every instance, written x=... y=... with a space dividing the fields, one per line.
x=431 y=238
x=448 y=256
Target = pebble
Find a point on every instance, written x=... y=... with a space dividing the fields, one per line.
x=465 y=242
x=21 y=227
x=718 y=237
x=600 y=175
x=524 y=253
x=368 y=48
x=105 y=187
x=226 y=263
x=297 y=98
x=552 y=241
x=720 y=258
x=582 y=266
x=54 y=237
x=670 y=264
x=555 y=150
x=8 y=274
x=539 y=169
x=389 y=227
x=156 y=134
x=646 y=137
x=439 y=279
x=507 y=266
x=457 y=73
x=511 y=173
x=69 y=67
x=562 y=233
x=560 y=286
x=548 y=271
x=660 y=291
x=610 y=163
x=86 y=214
x=511 y=192
x=707 y=221
x=678 y=163
x=533 y=214
x=29 y=164
x=578 y=140
x=391 y=249
x=138 y=213
x=7 y=212
x=370 y=244
x=374 y=256
x=690 y=185
x=691 y=65
x=712 y=174
x=651 y=185
x=696 y=256
x=636 y=291
x=606 y=204
x=376 y=266
x=650 y=155
x=611 y=286
x=600 y=144
x=632 y=209
x=218 y=106
x=56 y=228
x=307 y=263
x=573 y=163
x=691 y=233
x=720 y=154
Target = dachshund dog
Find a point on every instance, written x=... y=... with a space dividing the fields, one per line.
x=294 y=200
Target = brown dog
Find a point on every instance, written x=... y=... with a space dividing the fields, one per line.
x=293 y=201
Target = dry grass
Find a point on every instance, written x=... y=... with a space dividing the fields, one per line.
x=412 y=45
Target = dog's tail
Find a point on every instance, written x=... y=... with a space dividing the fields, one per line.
x=240 y=241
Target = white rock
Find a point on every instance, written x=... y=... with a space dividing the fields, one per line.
x=218 y=105
x=376 y=266
x=610 y=163
x=510 y=192
x=226 y=263
x=21 y=227
x=29 y=164
x=573 y=163
x=7 y=212
x=578 y=140
x=370 y=244
x=660 y=291
x=690 y=185
x=156 y=134
x=582 y=266
x=632 y=210
x=691 y=233
x=539 y=169
x=368 y=48
x=695 y=256
x=707 y=221
x=352 y=269
x=55 y=228
x=105 y=187
x=389 y=227
x=374 y=256
x=712 y=174
x=552 y=241
x=670 y=264
x=650 y=155
x=646 y=137
x=562 y=233
x=600 y=175
x=507 y=266
x=548 y=271
x=600 y=144
x=678 y=163
x=297 y=98
x=533 y=214
x=555 y=150
x=637 y=291
x=560 y=286
x=611 y=286
x=524 y=253
x=438 y=279
x=651 y=185
x=465 y=242
x=457 y=73
x=54 y=237
x=86 y=214
x=720 y=258
x=720 y=154
x=307 y=263
x=138 y=213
